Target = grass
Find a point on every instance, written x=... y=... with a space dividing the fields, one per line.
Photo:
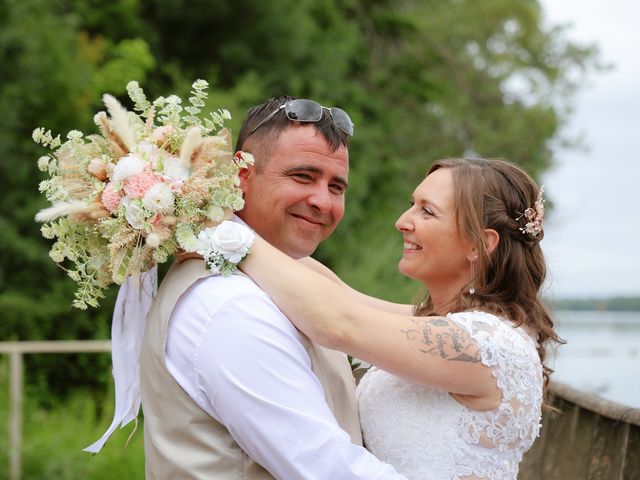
x=53 y=439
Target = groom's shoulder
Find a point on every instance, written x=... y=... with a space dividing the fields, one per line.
x=221 y=289
x=236 y=295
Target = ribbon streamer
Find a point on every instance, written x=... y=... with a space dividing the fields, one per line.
x=127 y=329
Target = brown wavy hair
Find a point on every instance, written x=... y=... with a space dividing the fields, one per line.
x=493 y=194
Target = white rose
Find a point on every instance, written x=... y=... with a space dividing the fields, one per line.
x=174 y=169
x=146 y=147
x=229 y=239
x=159 y=198
x=134 y=213
x=128 y=166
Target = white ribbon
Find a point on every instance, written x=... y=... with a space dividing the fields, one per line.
x=127 y=329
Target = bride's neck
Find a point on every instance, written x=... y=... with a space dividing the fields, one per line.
x=442 y=299
x=440 y=308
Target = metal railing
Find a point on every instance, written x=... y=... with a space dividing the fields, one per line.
x=16 y=350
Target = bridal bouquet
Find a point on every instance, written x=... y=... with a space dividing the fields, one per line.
x=147 y=186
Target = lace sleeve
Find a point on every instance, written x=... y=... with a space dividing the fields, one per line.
x=512 y=356
x=510 y=352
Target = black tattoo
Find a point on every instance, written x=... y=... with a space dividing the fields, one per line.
x=443 y=338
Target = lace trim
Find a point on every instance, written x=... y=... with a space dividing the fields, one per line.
x=511 y=353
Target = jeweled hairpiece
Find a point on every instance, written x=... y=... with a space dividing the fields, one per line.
x=534 y=216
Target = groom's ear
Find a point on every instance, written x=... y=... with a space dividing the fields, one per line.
x=246 y=175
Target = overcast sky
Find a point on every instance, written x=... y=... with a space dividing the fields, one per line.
x=592 y=237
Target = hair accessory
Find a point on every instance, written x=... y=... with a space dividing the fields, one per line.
x=534 y=216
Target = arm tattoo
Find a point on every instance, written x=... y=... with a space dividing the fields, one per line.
x=445 y=339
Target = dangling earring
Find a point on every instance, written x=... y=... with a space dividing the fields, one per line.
x=472 y=289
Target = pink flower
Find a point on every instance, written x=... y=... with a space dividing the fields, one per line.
x=98 y=169
x=176 y=187
x=534 y=216
x=111 y=198
x=156 y=220
x=138 y=185
x=159 y=134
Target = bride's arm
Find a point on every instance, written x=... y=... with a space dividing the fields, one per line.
x=434 y=351
x=316 y=266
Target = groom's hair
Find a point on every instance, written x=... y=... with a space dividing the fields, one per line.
x=262 y=141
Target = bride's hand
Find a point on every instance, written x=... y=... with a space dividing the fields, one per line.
x=183 y=256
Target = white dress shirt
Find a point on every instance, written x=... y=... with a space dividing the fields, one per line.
x=241 y=360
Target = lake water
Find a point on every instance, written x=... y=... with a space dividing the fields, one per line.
x=602 y=354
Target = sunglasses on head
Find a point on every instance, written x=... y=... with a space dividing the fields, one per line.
x=303 y=110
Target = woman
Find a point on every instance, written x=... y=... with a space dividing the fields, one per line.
x=457 y=388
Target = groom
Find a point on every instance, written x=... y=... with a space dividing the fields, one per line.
x=230 y=388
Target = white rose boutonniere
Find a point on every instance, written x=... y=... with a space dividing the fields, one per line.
x=224 y=246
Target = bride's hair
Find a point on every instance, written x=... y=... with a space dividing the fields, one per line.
x=494 y=194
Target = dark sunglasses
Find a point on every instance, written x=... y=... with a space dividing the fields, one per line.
x=303 y=110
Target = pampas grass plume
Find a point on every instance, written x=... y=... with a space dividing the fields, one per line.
x=120 y=121
x=191 y=141
x=62 y=209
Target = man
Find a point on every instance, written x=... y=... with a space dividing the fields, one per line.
x=230 y=389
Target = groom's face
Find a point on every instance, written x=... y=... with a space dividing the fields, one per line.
x=296 y=198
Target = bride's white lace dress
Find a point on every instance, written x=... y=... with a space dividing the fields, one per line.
x=426 y=434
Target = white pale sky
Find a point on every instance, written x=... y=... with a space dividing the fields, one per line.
x=592 y=239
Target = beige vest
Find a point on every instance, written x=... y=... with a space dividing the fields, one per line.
x=181 y=440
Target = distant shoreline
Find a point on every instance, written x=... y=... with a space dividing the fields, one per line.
x=614 y=304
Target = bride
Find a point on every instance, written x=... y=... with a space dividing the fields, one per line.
x=456 y=389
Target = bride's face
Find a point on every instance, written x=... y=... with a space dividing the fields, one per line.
x=434 y=252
